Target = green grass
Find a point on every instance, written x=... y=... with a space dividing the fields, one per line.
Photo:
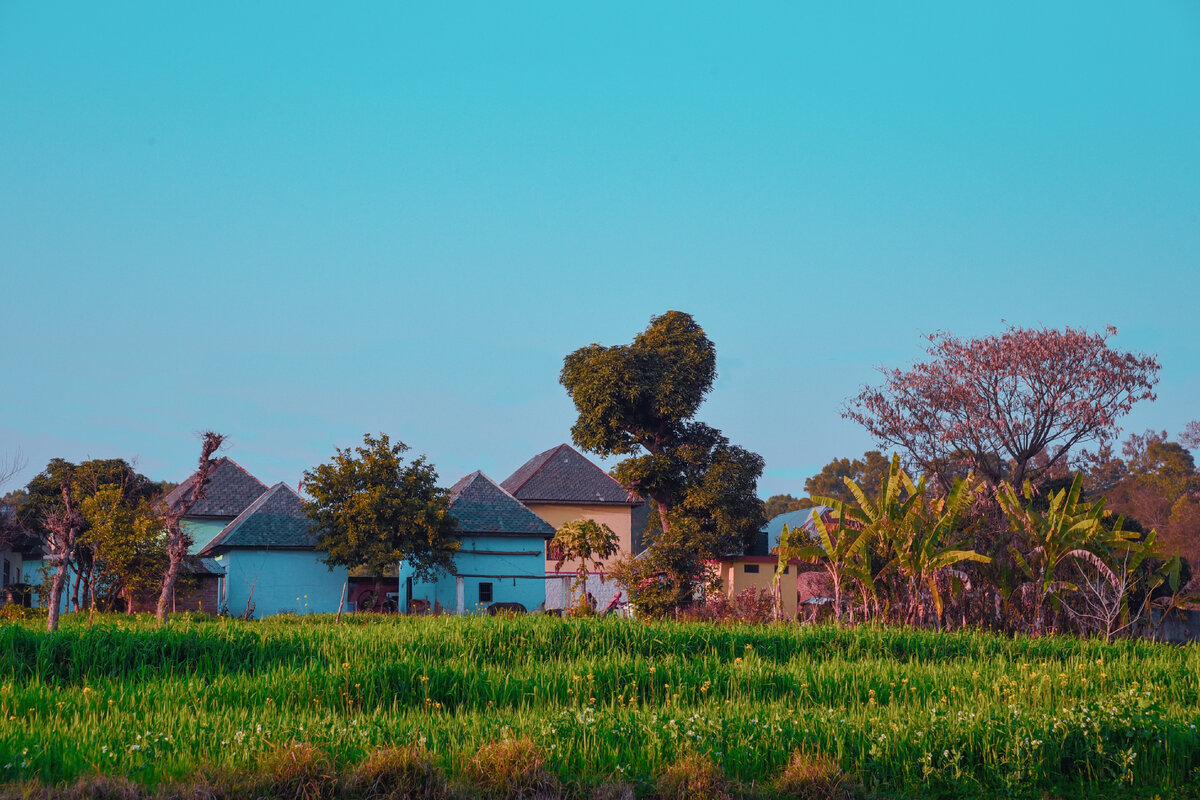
x=905 y=713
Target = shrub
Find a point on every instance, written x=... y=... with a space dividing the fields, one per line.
x=295 y=772
x=811 y=776
x=398 y=773
x=16 y=613
x=511 y=769
x=695 y=776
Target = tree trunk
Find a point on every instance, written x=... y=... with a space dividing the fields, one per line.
x=56 y=592
x=176 y=553
x=341 y=604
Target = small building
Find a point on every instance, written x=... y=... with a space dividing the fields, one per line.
x=755 y=569
x=501 y=557
x=560 y=485
x=271 y=562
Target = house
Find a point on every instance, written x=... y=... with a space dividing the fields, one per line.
x=18 y=553
x=755 y=568
x=501 y=557
x=560 y=486
x=270 y=561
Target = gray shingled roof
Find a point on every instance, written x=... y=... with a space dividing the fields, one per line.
x=275 y=520
x=480 y=505
x=562 y=475
x=230 y=491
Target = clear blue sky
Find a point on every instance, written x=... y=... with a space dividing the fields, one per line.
x=294 y=224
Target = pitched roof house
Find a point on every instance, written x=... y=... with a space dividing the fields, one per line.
x=501 y=556
x=270 y=559
x=560 y=485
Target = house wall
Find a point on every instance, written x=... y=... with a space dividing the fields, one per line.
x=619 y=518
x=281 y=580
x=735 y=579
x=15 y=571
x=508 y=555
x=204 y=530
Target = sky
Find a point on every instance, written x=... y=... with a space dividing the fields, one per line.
x=295 y=224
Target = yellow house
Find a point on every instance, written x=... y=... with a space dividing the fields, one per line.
x=739 y=573
x=562 y=486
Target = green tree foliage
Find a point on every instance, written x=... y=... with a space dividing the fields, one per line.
x=639 y=400
x=1154 y=484
x=128 y=547
x=870 y=470
x=372 y=510
x=588 y=544
x=783 y=503
x=126 y=493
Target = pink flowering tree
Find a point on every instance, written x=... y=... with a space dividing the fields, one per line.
x=1011 y=406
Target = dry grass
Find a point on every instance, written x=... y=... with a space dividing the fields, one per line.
x=511 y=769
x=695 y=776
x=398 y=773
x=812 y=776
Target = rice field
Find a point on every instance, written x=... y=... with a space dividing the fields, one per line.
x=903 y=713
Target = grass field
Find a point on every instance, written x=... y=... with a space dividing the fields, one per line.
x=903 y=713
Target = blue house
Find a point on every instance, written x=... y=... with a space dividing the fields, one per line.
x=501 y=558
x=270 y=561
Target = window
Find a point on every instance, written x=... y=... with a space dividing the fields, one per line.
x=752 y=568
x=485 y=593
x=7 y=573
x=554 y=552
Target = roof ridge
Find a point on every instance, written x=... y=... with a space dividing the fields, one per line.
x=237 y=521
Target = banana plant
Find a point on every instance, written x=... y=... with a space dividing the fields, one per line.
x=837 y=550
x=927 y=547
x=1068 y=531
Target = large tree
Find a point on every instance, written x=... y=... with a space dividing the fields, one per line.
x=373 y=510
x=640 y=400
x=1011 y=406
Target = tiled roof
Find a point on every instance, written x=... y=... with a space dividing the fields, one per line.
x=562 y=475
x=480 y=505
x=276 y=519
x=230 y=490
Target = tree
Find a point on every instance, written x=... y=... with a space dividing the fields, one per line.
x=996 y=403
x=62 y=526
x=372 y=511
x=588 y=542
x=870 y=470
x=178 y=540
x=783 y=503
x=639 y=400
x=127 y=543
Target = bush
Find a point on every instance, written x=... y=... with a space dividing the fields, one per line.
x=510 y=769
x=755 y=606
x=694 y=777
x=17 y=613
x=295 y=772
x=398 y=773
x=811 y=776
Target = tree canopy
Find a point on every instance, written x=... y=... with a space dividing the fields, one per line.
x=372 y=510
x=1010 y=406
x=640 y=400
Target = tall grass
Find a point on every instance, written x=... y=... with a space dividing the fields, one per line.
x=909 y=713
